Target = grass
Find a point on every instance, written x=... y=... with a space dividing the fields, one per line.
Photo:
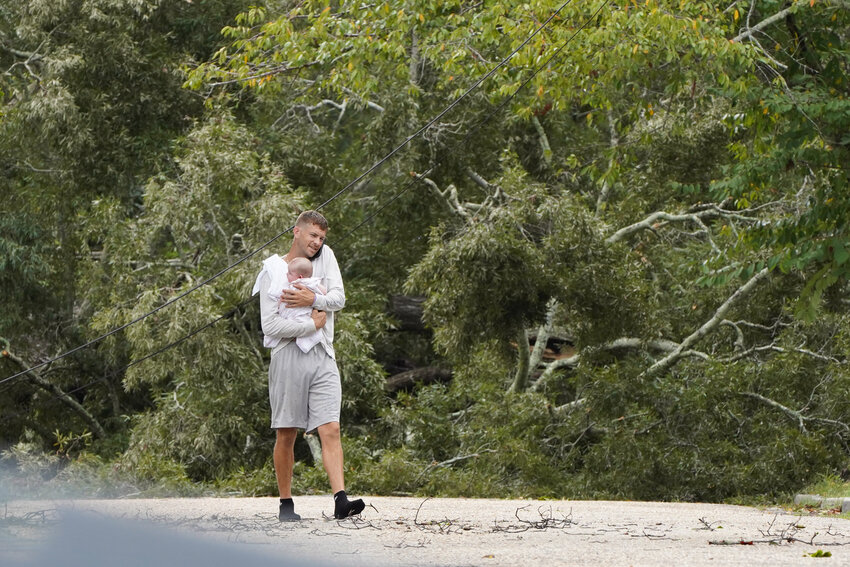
x=830 y=486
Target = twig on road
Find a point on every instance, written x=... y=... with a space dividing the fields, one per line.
x=708 y=525
x=788 y=534
x=547 y=520
x=443 y=526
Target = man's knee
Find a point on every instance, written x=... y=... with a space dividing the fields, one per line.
x=286 y=436
x=329 y=431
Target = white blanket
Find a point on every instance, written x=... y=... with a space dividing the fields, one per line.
x=277 y=269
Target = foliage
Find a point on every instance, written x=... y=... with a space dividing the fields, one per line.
x=829 y=486
x=91 y=102
x=511 y=253
x=795 y=152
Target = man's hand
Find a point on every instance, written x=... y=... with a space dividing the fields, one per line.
x=319 y=318
x=299 y=297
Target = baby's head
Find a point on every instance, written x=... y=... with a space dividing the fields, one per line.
x=299 y=268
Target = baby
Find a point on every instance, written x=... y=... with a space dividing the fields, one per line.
x=300 y=270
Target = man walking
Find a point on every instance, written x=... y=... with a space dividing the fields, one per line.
x=304 y=388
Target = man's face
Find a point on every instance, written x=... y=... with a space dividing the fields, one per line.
x=308 y=239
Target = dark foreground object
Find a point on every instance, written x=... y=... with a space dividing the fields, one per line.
x=84 y=539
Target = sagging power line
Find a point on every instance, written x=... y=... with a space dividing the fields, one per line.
x=377 y=165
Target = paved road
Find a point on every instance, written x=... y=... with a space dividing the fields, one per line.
x=414 y=532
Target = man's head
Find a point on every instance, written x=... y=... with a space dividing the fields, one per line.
x=309 y=233
x=299 y=268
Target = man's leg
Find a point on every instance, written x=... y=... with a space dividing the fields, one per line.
x=332 y=459
x=332 y=454
x=284 y=460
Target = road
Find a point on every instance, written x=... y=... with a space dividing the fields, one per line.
x=414 y=532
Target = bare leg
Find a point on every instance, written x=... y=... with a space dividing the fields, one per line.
x=284 y=460
x=332 y=459
x=331 y=455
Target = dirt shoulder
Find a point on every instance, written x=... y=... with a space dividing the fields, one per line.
x=414 y=532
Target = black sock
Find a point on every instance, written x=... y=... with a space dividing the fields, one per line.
x=343 y=507
x=287 y=511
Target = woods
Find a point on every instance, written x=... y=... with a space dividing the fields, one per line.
x=613 y=264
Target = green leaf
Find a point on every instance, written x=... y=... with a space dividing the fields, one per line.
x=839 y=252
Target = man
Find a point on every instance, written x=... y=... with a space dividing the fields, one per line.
x=304 y=388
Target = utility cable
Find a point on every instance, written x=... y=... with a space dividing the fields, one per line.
x=374 y=167
x=407 y=186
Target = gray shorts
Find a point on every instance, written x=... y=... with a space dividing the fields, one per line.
x=304 y=388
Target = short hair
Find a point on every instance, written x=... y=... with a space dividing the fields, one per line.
x=302 y=265
x=312 y=217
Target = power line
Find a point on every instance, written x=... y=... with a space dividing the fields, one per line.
x=169 y=346
x=386 y=204
x=475 y=128
x=374 y=167
x=445 y=111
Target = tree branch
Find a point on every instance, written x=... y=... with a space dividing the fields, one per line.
x=448 y=196
x=543 y=335
x=36 y=378
x=452 y=461
x=662 y=345
x=566 y=409
x=368 y=103
x=308 y=110
x=605 y=192
x=480 y=181
x=762 y=24
x=719 y=315
x=621 y=343
x=272 y=72
x=29 y=56
x=795 y=415
x=550 y=371
x=544 y=140
x=523 y=367
x=653 y=220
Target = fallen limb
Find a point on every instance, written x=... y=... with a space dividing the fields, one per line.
x=566 y=409
x=793 y=414
x=450 y=462
x=36 y=379
x=695 y=216
x=684 y=347
x=796 y=415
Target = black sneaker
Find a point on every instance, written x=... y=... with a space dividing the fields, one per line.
x=345 y=508
x=287 y=513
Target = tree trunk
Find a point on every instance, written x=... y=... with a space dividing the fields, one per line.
x=315 y=447
x=36 y=378
x=407 y=310
x=520 y=382
x=425 y=375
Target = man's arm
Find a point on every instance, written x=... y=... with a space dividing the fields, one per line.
x=328 y=269
x=273 y=324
